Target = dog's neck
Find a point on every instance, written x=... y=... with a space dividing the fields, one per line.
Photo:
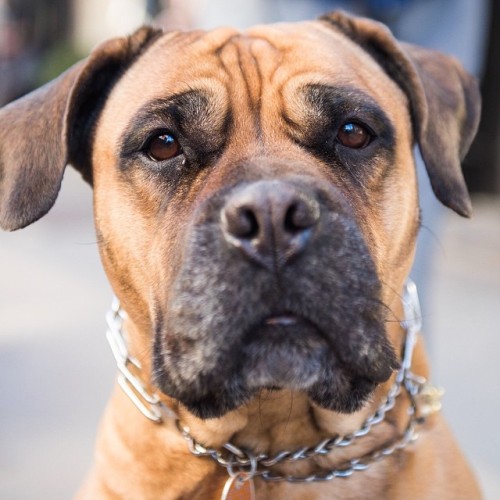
x=274 y=422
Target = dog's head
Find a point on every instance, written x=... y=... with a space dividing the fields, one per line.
x=255 y=194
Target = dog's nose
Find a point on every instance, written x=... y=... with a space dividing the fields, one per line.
x=270 y=221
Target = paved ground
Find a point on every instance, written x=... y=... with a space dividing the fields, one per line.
x=56 y=371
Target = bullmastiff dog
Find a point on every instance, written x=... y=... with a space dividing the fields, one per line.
x=256 y=211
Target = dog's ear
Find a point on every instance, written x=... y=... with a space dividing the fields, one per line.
x=444 y=101
x=43 y=131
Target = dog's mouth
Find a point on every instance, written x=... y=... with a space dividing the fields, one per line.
x=283 y=351
x=286 y=319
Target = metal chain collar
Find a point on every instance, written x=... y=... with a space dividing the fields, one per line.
x=424 y=399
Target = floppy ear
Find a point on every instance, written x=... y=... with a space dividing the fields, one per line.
x=52 y=126
x=444 y=100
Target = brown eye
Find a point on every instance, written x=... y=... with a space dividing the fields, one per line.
x=163 y=147
x=353 y=135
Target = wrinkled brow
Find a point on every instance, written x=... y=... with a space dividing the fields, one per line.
x=195 y=114
x=319 y=107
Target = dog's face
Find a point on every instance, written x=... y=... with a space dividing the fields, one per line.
x=256 y=185
x=256 y=206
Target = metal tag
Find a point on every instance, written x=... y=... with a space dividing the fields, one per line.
x=237 y=488
x=429 y=400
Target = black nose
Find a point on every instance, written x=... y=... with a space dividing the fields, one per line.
x=270 y=221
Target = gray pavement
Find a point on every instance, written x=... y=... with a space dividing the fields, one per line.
x=56 y=371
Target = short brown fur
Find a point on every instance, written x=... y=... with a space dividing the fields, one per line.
x=144 y=222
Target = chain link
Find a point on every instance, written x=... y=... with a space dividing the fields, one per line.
x=238 y=461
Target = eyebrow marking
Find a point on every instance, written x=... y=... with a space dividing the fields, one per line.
x=196 y=114
x=322 y=107
x=344 y=99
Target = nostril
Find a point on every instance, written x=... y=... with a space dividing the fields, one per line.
x=241 y=222
x=292 y=222
x=249 y=226
x=301 y=215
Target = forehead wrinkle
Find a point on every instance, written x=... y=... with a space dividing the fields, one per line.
x=250 y=70
x=244 y=81
x=321 y=51
x=176 y=60
x=230 y=60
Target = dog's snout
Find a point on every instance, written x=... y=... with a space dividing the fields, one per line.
x=270 y=221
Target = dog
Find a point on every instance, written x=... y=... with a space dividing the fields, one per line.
x=256 y=210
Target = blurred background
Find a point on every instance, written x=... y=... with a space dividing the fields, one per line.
x=56 y=371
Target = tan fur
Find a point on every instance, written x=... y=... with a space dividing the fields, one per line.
x=137 y=459
x=256 y=74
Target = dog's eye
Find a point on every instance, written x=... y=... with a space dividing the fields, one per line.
x=353 y=135
x=163 y=147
